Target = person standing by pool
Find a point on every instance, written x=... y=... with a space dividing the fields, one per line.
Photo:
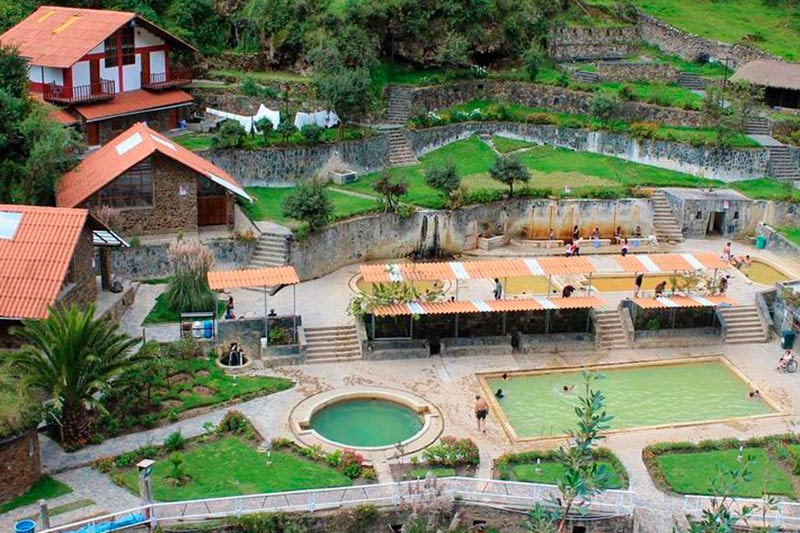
x=481 y=412
x=723 y=284
x=727 y=253
x=229 y=309
x=637 y=285
x=498 y=289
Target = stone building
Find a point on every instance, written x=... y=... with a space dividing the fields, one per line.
x=47 y=257
x=151 y=185
x=721 y=212
x=104 y=70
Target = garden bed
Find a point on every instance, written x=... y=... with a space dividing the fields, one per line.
x=543 y=467
x=162 y=314
x=448 y=457
x=686 y=468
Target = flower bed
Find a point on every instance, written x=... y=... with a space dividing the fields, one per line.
x=543 y=467
x=450 y=457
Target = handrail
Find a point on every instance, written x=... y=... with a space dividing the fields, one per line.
x=782 y=513
x=173 y=76
x=484 y=491
x=79 y=93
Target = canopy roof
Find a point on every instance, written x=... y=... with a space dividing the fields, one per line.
x=770 y=73
x=487 y=306
x=670 y=262
x=683 y=301
x=255 y=277
x=496 y=268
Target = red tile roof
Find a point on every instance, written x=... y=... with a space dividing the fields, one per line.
x=139 y=142
x=256 y=277
x=131 y=102
x=58 y=37
x=34 y=263
x=56 y=113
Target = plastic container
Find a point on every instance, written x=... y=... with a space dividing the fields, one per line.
x=761 y=242
x=208 y=329
x=25 y=526
x=197 y=329
x=787 y=339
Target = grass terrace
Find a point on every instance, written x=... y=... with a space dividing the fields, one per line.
x=44 y=489
x=268 y=205
x=543 y=467
x=162 y=314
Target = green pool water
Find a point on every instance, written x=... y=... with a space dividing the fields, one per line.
x=536 y=405
x=366 y=422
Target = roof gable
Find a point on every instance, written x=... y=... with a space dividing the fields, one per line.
x=103 y=166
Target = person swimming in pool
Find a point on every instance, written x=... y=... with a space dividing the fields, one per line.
x=567 y=388
x=499 y=394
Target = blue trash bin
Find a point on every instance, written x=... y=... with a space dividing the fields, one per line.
x=25 y=526
x=208 y=329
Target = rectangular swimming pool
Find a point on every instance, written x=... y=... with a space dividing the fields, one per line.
x=638 y=395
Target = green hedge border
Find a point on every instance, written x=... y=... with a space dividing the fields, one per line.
x=504 y=463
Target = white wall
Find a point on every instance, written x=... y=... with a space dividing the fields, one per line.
x=99 y=49
x=133 y=75
x=158 y=62
x=110 y=74
x=142 y=37
x=81 y=75
x=51 y=75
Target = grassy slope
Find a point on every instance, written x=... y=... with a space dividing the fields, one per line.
x=162 y=314
x=230 y=467
x=268 y=204
x=550 y=473
x=691 y=473
x=505 y=145
x=730 y=21
x=44 y=489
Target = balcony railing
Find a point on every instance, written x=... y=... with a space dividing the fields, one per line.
x=80 y=94
x=167 y=80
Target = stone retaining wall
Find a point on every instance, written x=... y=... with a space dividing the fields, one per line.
x=424 y=99
x=276 y=166
x=691 y=47
x=388 y=236
x=582 y=43
x=20 y=464
x=624 y=72
x=728 y=164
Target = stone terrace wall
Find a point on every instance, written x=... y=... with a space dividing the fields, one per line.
x=388 y=236
x=20 y=464
x=581 y=43
x=274 y=166
x=546 y=96
x=730 y=164
x=624 y=72
x=689 y=46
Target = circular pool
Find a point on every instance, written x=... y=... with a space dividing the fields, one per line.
x=366 y=422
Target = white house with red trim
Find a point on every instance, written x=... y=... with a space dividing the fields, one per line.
x=106 y=69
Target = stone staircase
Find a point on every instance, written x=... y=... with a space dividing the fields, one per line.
x=332 y=344
x=400 y=153
x=665 y=225
x=757 y=126
x=399 y=104
x=691 y=81
x=611 y=334
x=744 y=324
x=583 y=76
x=272 y=250
x=781 y=165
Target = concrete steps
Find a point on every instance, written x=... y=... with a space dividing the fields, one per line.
x=744 y=324
x=400 y=153
x=399 y=108
x=272 y=250
x=610 y=332
x=757 y=126
x=332 y=344
x=691 y=81
x=665 y=225
x=781 y=165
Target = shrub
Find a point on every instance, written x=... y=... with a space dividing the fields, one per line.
x=644 y=130
x=312 y=133
x=186 y=348
x=104 y=464
x=125 y=459
x=175 y=442
x=452 y=452
x=286 y=129
x=249 y=87
x=334 y=458
x=309 y=202
x=603 y=105
x=627 y=92
x=540 y=118
x=233 y=422
x=230 y=134
x=188 y=287
x=533 y=60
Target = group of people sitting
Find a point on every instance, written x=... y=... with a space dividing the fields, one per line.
x=574 y=244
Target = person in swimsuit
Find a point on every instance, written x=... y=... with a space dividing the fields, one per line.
x=637 y=286
x=481 y=412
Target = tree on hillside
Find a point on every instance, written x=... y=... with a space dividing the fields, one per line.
x=604 y=105
x=309 y=202
x=507 y=169
x=391 y=189
x=34 y=150
x=444 y=179
x=72 y=359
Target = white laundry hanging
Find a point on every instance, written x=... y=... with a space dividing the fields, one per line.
x=249 y=123
x=323 y=119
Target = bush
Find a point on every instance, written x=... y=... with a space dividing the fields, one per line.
x=334 y=459
x=188 y=287
x=352 y=463
x=627 y=92
x=540 y=118
x=309 y=203
x=533 y=60
x=230 y=134
x=185 y=349
x=286 y=129
x=312 y=133
x=644 y=130
x=452 y=452
x=103 y=464
x=603 y=105
x=175 y=442
x=234 y=422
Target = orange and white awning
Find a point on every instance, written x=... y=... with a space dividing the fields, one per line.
x=255 y=277
x=487 y=306
x=683 y=301
x=670 y=262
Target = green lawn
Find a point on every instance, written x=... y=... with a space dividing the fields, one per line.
x=44 y=489
x=439 y=472
x=549 y=473
x=505 y=145
x=162 y=314
x=231 y=467
x=691 y=473
x=268 y=205
x=771 y=26
x=672 y=95
x=766 y=189
x=793 y=234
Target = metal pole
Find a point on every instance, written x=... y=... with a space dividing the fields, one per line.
x=294 y=311
x=456 y=326
x=546 y=321
x=589 y=288
x=456 y=288
x=411 y=327
x=714 y=281
x=504 y=322
x=549 y=281
x=373 y=326
x=266 y=319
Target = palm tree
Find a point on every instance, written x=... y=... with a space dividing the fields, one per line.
x=72 y=358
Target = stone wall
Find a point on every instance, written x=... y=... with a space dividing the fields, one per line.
x=152 y=261
x=81 y=285
x=551 y=97
x=20 y=464
x=582 y=43
x=387 y=236
x=276 y=166
x=691 y=47
x=741 y=215
x=725 y=164
x=624 y=72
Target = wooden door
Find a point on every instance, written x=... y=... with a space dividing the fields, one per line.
x=92 y=134
x=212 y=210
x=145 y=68
x=94 y=75
x=172 y=119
